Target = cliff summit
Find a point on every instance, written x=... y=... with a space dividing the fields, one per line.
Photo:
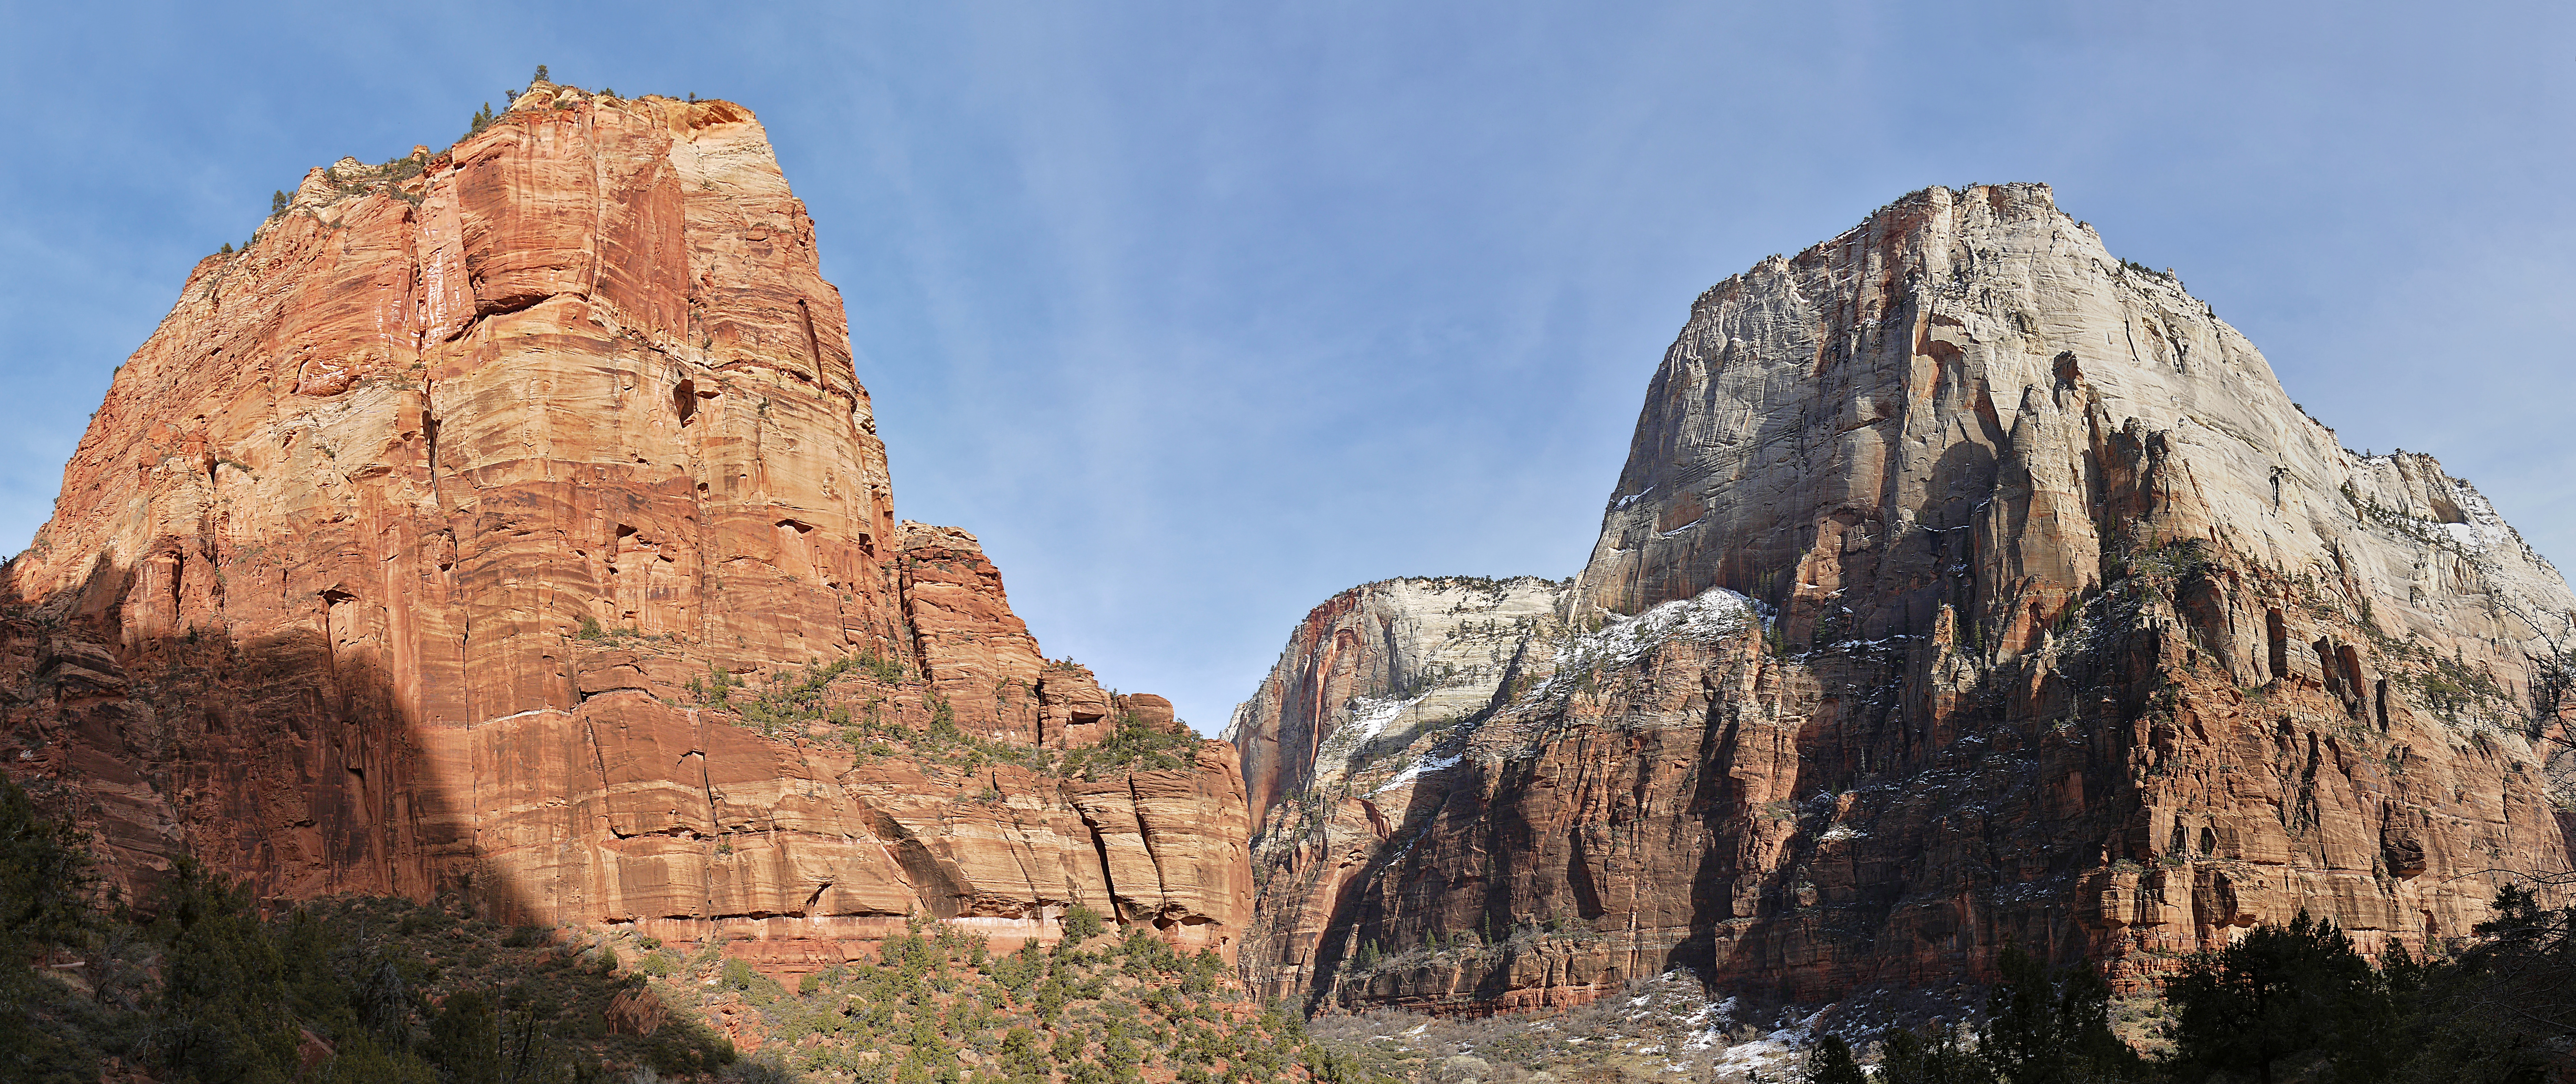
x=1965 y=587
x=507 y=526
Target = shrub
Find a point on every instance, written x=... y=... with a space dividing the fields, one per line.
x=210 y=991
x=1080 y=924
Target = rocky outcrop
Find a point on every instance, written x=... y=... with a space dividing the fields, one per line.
x=1378 y=662
x=510 y=523
x=1368 y=678
x=1965 y=586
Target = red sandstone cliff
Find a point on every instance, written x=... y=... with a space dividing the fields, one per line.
x=1965 y=586
x=412 y=554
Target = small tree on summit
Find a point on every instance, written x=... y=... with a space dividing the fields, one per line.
x=540 y=77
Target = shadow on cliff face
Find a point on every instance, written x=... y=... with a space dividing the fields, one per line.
x=196 y=761
x=1491 y=949
x=1355 y=913
x=277 y=760
x=1738 y=876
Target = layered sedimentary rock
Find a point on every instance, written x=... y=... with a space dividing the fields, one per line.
x=1965 y=586
x=1368 y=679
x=1375 y=663
x=418 y=549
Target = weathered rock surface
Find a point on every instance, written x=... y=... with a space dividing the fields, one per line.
x=1375 y=663
x=404 y=556
x=1369 y=678
x=1965 y=586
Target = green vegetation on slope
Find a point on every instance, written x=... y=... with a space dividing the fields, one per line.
x=861 y=701
x=2282 y=1003
x=937 y=1006
x=198 y=986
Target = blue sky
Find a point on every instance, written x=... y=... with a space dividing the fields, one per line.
x=1199 y=313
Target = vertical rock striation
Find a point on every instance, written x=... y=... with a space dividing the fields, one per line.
x=1368 y=678
x=403 y=557
x=1379 y=659
x=1965 y=586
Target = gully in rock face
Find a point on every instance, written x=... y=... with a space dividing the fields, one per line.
x=1966 y=587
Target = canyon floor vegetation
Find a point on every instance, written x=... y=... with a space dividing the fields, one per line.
x=196 y=984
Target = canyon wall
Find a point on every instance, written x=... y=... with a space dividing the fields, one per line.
x=1368 y=679
x=509 y=524
x=1438 y=645
x=1965 y=587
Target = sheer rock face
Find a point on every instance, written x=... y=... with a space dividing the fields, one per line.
x=984 y=664
x=1385 y=657
x=1369 y=678
x=1964 y=587
x=397 y=560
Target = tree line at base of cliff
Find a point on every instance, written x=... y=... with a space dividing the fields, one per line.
x=197 y=985
x=2282 y=1003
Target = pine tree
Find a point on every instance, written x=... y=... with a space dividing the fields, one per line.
x=45 y=886
x=46 y=876
x=466 y=1037
x=1908 y=1058
x=1830 y=1062
x=2278 y=991
x=540 y=77
x=2504 y=1009
x=2046 y=1027
x=1081 y=924
x=223 y=1009
x=277 y=200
